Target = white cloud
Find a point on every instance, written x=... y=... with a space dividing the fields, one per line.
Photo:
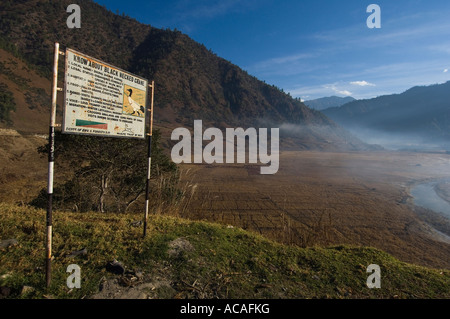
x=317 y=91
x=276 y=62
x=285 y=65
x=362 y=83
x=446 y=70
x=440 y=48
x=339 y=91
x=407 y=28
x=344 y=92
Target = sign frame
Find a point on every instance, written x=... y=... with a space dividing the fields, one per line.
x=144 y=108
x=51 y=144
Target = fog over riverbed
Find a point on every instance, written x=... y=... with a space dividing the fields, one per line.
x=413 y=141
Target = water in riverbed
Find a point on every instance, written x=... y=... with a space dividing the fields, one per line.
x=425 y=196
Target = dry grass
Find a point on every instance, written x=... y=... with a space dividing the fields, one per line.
x=322 y=198
x=22 y=170
x=221 y=262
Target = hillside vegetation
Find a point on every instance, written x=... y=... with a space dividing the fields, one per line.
x=180 y=258
x=191 y=81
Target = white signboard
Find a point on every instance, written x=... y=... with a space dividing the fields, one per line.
x=102 y=100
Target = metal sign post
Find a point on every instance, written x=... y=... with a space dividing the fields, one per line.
x=51 y=161
x=149 y=155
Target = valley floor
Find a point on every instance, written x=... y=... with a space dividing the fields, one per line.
x=324 y=198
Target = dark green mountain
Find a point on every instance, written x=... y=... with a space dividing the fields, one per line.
x=327 y=102
x=191 y=81
x=420 y=115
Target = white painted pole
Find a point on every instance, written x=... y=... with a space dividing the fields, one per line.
x=149 y=156
x=51 y=160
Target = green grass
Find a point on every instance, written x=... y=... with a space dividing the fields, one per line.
x=224 y=262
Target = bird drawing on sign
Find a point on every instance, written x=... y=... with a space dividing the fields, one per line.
x=136 y=107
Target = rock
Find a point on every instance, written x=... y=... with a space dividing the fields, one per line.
x=115 y=267
x=128 y=280
x=8 y=243
x=139 y=274
x=4 y=292
x=179 y=246
x=7 y=275
x=27 y=290
x=80 y=252
x=136 y=223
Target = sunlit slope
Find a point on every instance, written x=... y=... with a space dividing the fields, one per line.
x=181 y=258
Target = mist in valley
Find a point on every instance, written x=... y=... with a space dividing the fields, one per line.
x=417 y=140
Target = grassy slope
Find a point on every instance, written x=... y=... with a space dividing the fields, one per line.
x=225 y=262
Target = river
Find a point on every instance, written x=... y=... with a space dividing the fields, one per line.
x=425 y=196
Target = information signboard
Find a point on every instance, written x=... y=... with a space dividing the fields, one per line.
x=102 y=100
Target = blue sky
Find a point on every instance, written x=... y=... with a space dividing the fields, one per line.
x=315 y=48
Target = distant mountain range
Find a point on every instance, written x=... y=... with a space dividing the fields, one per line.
x=418 y=116
x=327 y=102
x=191 y=81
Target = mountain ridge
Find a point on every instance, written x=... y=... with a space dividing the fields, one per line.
x=327 y=102
x=191 y=81
x=419 y=114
